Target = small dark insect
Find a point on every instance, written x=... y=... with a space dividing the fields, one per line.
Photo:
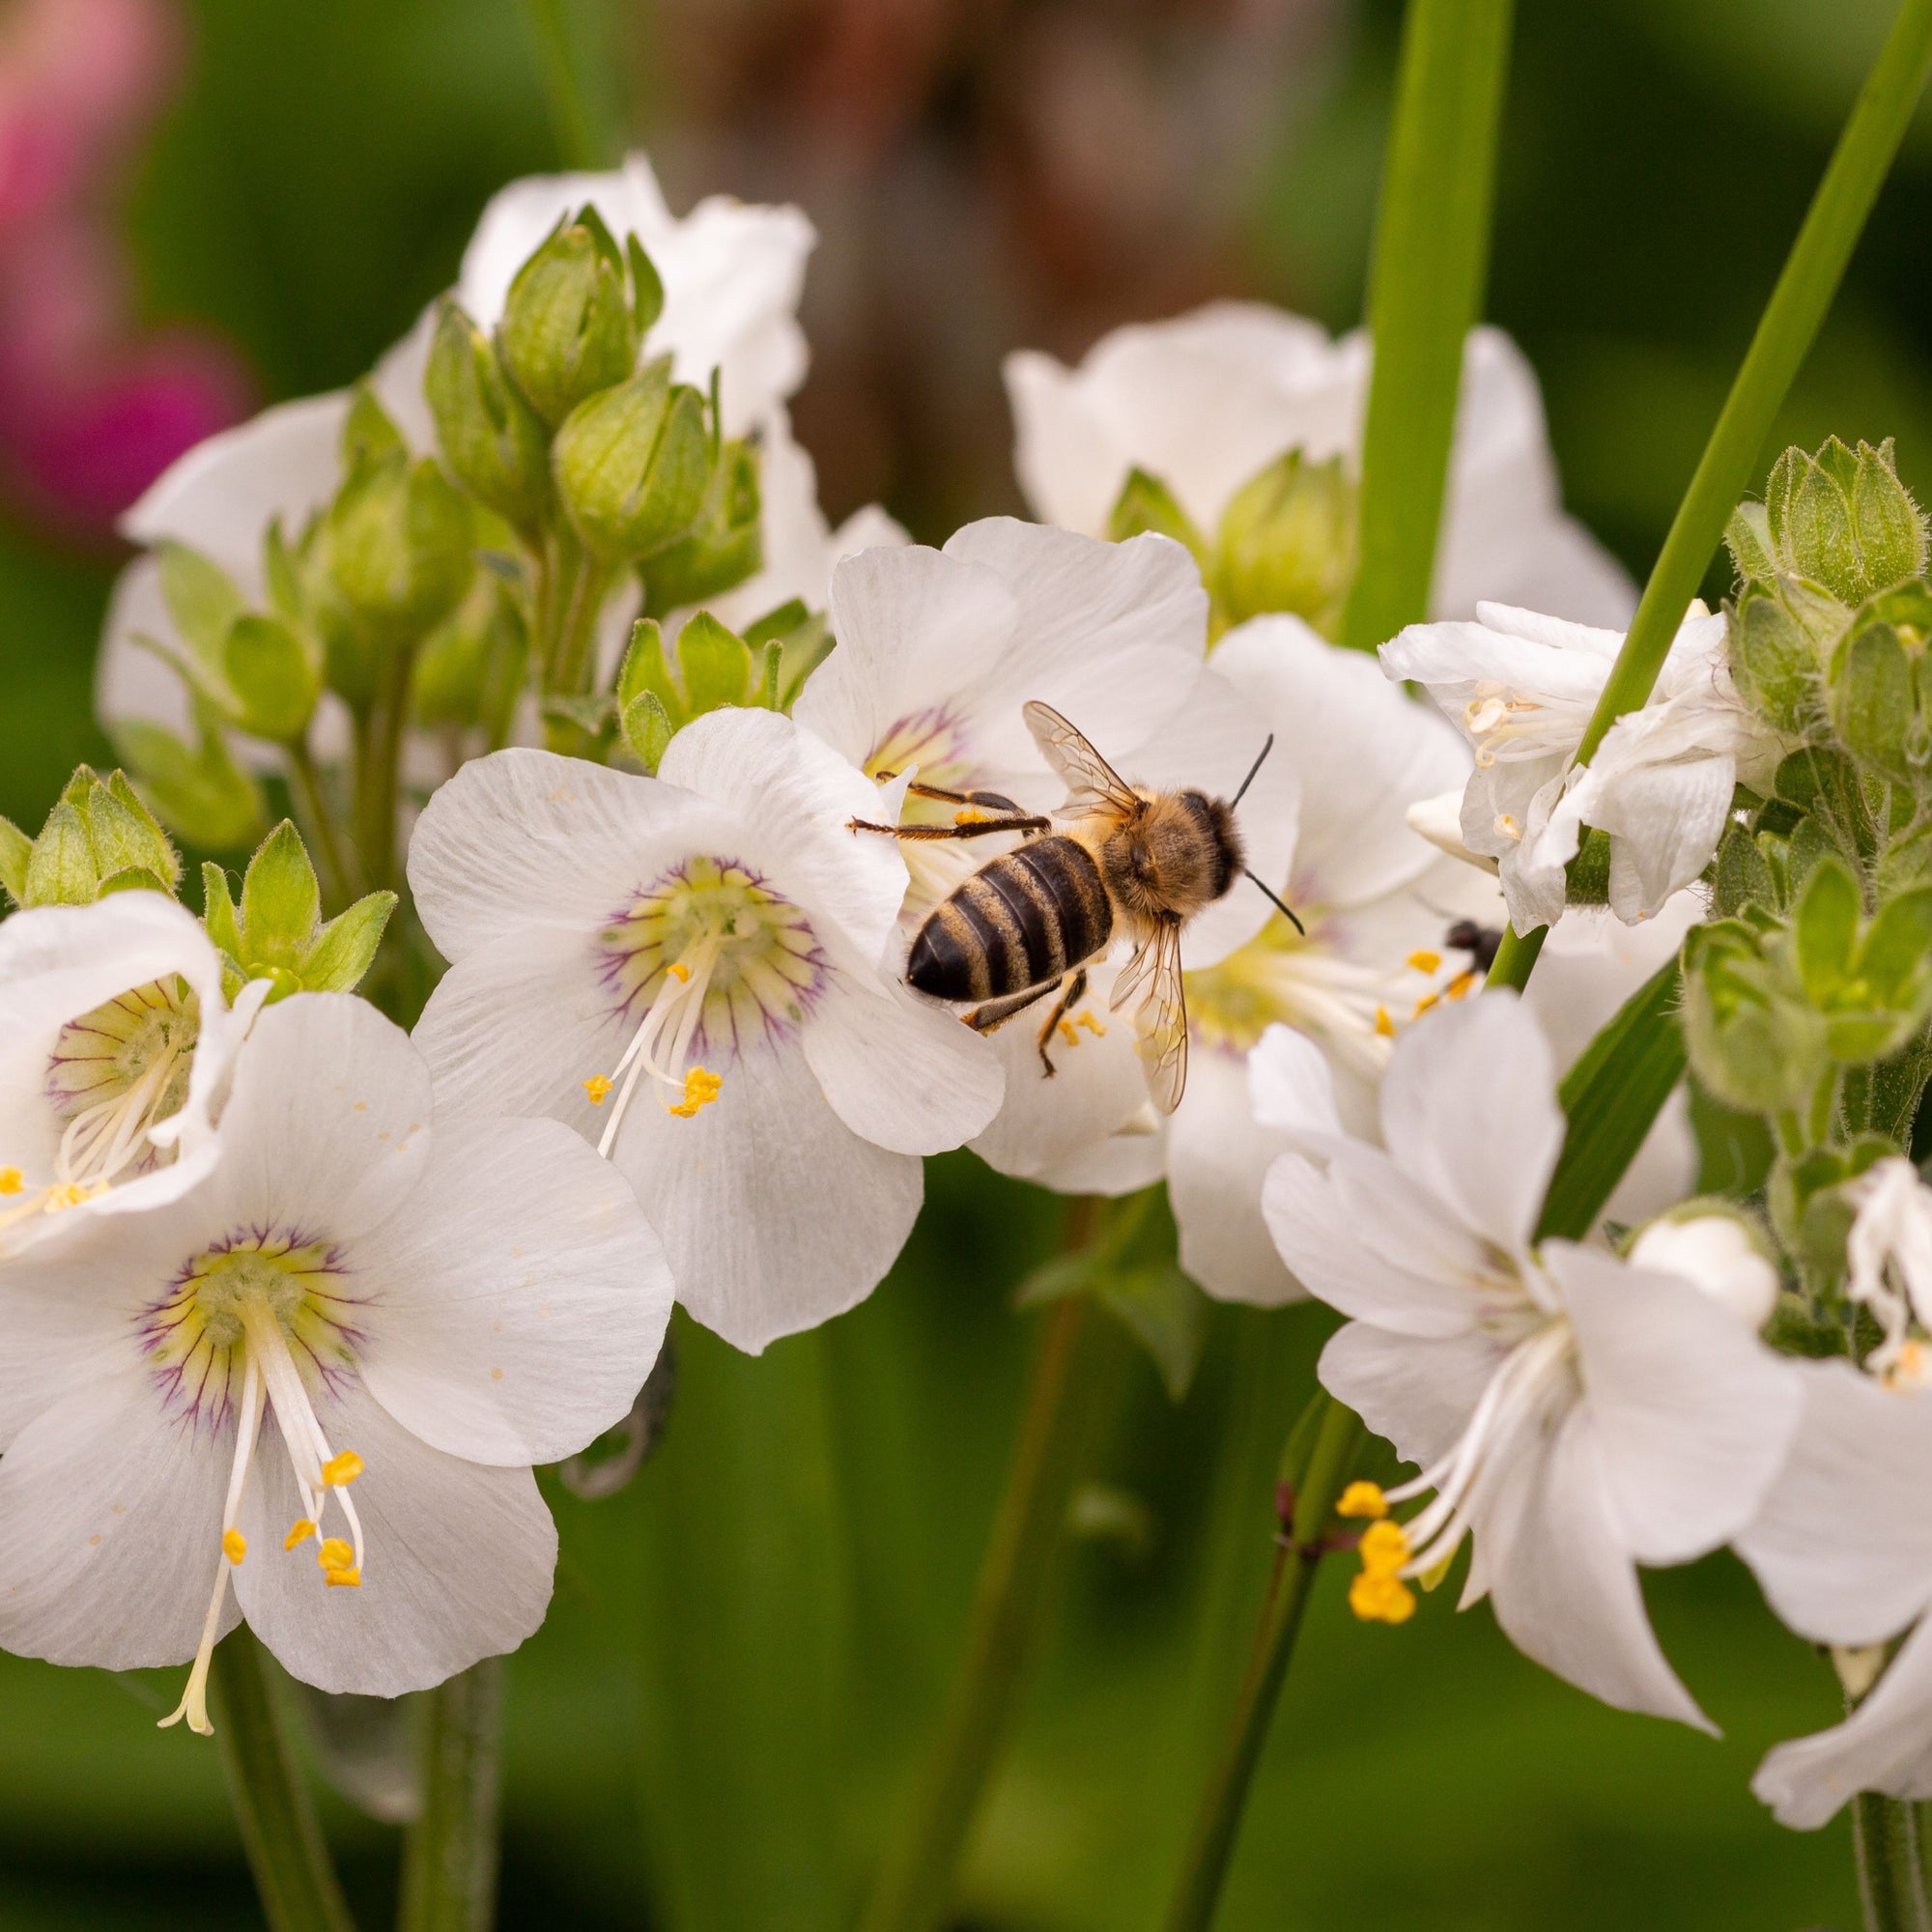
x=1479 y=942
x=1131 y=862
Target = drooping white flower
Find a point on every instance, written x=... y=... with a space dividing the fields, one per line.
x=1520 y=687
x=1206 y=401
x=687 y=970
x=114 y=1043
x=1575 y=1414
x=319 y=1374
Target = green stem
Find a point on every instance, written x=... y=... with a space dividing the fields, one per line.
x=1218 y=1821
x=583 y=138
x=1431 y=255
x=449 y=1858
x=1009 y=1605
x=1892 y=1879
x=1790 y=322
x=379 y=758
x=272 y=1806
x=312 y=806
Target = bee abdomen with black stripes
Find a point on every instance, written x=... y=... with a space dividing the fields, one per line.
x=1022 y=919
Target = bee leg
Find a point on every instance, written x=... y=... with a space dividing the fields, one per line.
x=1071 y=989
x=974 y=828
x=985 y=801
x=994 y=1013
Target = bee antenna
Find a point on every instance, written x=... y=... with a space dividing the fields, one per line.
x=1280 y=905
x=1246 y=783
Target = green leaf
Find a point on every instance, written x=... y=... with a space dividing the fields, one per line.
x=1165 y=1313
x=62 y=871
x=218 y=910
x=1610 y=1099
x=1735 y=1149
x=132 y=879
x=16 y=849
x=346 y=947
x=647 y=729
x=1825 y=930
x=274 y=681
x=160 y=855
x=715 y=665
x=201 y=598
x=1899 y=948
x=280 y=901
x=1871 y=699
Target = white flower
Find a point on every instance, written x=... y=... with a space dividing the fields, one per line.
x=1889 y=1254
x=1575 y=1414
x=1520 y=687
x=422 y=1312
x=1206 y=401
x=1716 y=1252
x=686 y=969
x=114 y=1043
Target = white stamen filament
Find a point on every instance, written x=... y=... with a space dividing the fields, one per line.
x=675 y=1011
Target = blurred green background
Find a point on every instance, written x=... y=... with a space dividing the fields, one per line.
x=748 y=1644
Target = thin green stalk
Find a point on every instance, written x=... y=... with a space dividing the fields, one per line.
x=1791 y=319
x=1218 y=1822
x=273 y=1804
x=379 y=758
x=318 y=818
x=582 y=137
x=1431 y=257
x=1009 y=1605
x=449 y=1857
x=1892 y=1879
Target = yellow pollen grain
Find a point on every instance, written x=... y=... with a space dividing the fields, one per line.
x=1067 y=1033
x=234 y=1545
x=1382 y=1599
x=1094 y=1026
x=701 y=1088
x=300 y=1533
x=12 y=1180
x=1384 y=1549
x=346 y=1579
x=334 y=1554
x=1363 y=1499
x=598 y=1088
x=972 y=815
x=1426 y=961
x=70 y=1194
x=678 y=970
x=339 y=1471
x=1384 y=1026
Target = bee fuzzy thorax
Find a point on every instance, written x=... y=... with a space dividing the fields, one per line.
x=1180 y=854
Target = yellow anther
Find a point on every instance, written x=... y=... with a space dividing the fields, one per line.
x=1086 y=1018
x=1363 y=1499
x=234 y=1545
x=701 y=1088
x=1382 y=1599
x=334 y=1554
x=1426 y=961
x=1423 y=1005
x=1067 y=1033
x=12 y=1180
x=972 y=815
x=678 y=970
x=300 y=1533
x=1384 y=1549
x=1483 y=714
x=339 y=1471
x=597 y=1089
x=343 y=1579
x=1458 y=985
x=70 y=1194
x=1383 y=1024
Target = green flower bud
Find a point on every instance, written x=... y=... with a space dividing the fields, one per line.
x=16 y=849
x=632 y=464
x=274 y=676
x=1288 y=543
x=276 y=933
x=1145 y=503
x=496 y=444
x=400 y=545
x=99 y=837
x=470 y=667
x=1872 y=706
x=1843 y=521
x=721 y=549
x=568 y=326
x=1781 y=637
x=1752 y=1040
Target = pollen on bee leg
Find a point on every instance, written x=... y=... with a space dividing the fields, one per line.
x=598 y=1088
x=234 y=1545
x=1361 y=1498
x=700 y=1087
x=972 y=815
x=1085 y=1017
x=340 y=1470
x=299 y=1532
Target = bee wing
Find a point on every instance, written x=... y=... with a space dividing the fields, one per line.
x=1161 y=1020
x=1093 y=785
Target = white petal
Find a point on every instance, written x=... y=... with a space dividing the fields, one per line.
x=903 y=1074
x=527 y=839
x=1562 y=1582
x=327 y=1127
x=1123 y=1163
x=1843 y=1546
x=1664 y=822
x=457 y=1568
x=1468 y=1109
x=775 y=1216
x=1364 y=750
x=522 y=1297
x=794 y=797
x=1291 y=1087
x=1418 y=1390
x=110 y=1526
x=1885 y=1745
x=1693 y=1415
x=1217 y=1161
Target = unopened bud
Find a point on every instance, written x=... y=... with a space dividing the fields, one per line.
x=1288 y=543
x=1843 y=520
x=632 y=464
x=721 y=549
x=495 y=443
x=1721 y=1253
x=568 y=330
x=275 y=678
x=1145 y=503
x=99 y=837
x=401 y=545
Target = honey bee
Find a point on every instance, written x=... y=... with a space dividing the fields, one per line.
x=1130 y=862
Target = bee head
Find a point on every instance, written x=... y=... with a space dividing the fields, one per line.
x=1215 y=818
